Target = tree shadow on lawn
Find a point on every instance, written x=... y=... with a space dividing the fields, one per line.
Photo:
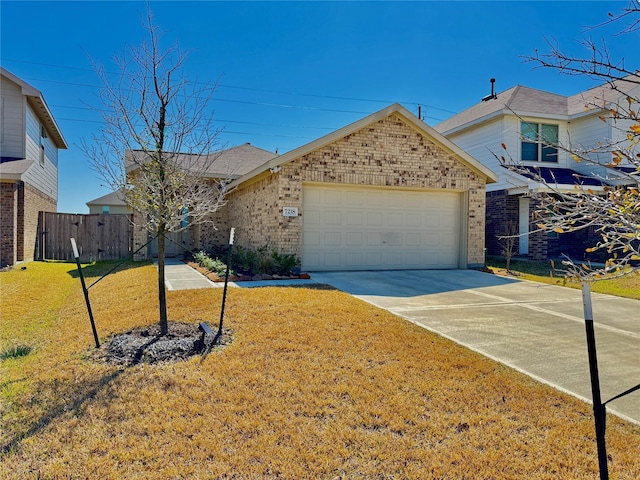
x=123 y=350
x=93 y=271
x=69 y=397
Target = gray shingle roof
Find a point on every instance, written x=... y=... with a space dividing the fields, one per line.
x=229 y=163
x=531 y=102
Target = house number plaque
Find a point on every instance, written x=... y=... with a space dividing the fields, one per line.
x=290 y=211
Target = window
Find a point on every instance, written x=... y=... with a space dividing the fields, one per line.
x=538 y=142
x=43 y=135
x=105 y=209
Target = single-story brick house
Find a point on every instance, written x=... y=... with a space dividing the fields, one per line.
x=385 y=192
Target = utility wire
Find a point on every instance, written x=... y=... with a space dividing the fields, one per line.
x=332 y=97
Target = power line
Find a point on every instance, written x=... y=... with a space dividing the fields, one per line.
x=332 y=97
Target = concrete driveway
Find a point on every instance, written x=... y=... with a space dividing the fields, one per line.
x=535 y=328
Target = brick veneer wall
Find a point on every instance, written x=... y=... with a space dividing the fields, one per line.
x=20 y=204
x=8 y=222
x=502 y=210
x=34 y=201
x=386 y=153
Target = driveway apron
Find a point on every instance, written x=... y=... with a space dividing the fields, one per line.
x=535 y=328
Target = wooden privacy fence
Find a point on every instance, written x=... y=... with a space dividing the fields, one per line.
x=99 y=237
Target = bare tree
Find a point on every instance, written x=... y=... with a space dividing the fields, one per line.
x=508 y=241
x=156 y=141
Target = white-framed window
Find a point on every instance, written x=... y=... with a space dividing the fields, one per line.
x=538 y=142
x=105 y=209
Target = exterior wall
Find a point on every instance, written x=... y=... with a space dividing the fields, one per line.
x=8 y=222
x=12 y=138
x=19 y=220
x=253 y=211
x=538 y=239
x=485 y=141
x=502 y=211
x=34 y=201
x=44 y=176
x=113 y=209
x=387 y=153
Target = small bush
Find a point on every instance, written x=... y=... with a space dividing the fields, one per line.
x=16 y=351
x=284 y=263
x=249 y=261
x=212 y=264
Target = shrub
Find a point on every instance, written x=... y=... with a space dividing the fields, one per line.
x=250 y=261
x=214 y=265
x=284 y=263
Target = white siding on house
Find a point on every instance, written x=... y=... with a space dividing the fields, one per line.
x=585 y=133
x=13 y=120
x=485 y=141
x=33 y=135
x=43 y=177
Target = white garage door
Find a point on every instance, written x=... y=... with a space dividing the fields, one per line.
x=357 y=228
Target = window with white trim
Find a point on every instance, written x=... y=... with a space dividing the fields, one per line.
x=538 y=142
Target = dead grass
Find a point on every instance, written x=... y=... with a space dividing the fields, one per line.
x=316 y=385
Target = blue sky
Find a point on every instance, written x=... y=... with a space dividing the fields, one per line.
x=291 y=72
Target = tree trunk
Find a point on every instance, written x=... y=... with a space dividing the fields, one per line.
x=162 y=294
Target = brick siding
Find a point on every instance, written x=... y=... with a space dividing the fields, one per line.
x=20 y=204
x=8 y=222
x=387 y=153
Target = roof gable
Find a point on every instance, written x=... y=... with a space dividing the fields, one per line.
x=397 y=109
x=113 y=198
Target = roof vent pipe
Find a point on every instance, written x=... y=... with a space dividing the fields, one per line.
x=492 y=95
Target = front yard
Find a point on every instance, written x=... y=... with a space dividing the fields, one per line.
x=316 y=384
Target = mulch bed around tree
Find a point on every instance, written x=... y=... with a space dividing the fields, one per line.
x=146 y=345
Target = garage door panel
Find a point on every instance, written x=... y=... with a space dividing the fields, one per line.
x=332 y=239
x=395 y=219
x=413 y=239
x=374 y=219
x=354 y=219
x=413 y=220
x=354 y=239
x=351 y=228
x=373 y=239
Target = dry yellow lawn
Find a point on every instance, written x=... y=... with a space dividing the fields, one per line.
x=316 y=385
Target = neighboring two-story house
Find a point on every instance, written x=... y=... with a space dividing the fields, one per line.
x=531 y=124
x=29 y=144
